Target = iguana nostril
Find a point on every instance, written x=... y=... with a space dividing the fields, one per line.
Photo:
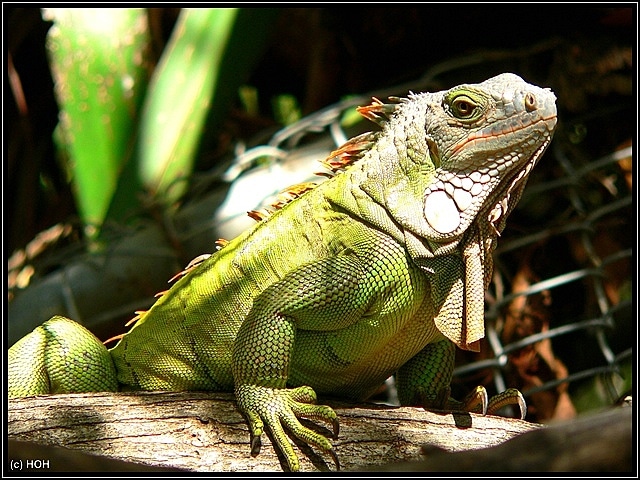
x=530 y=103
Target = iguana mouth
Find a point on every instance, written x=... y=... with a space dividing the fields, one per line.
x=497 y=131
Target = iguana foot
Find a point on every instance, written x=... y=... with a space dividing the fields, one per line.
x=278 y=407
x=478 y=401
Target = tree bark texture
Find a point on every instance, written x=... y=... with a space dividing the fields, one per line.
x=206 y=432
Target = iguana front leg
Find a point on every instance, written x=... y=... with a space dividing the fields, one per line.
x=425 y=380
x=326 y=295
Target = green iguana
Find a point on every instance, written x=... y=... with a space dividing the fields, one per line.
x=379 y=270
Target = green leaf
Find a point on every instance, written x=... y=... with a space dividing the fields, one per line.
x=97 y=60
x=180 y=94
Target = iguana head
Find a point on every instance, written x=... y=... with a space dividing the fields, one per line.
x=483 y=139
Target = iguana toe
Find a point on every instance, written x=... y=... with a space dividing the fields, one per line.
x=511 y=396
x=477 y=401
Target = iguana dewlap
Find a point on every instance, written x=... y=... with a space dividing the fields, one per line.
x=379 y=270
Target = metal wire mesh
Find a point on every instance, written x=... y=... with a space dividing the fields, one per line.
x=597 y=318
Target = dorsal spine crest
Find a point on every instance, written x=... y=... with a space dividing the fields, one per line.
x=341 y=158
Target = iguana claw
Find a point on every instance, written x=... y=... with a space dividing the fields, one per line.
x=335 y=458
x=256 y=445
x=477 y=401
x=336 y=427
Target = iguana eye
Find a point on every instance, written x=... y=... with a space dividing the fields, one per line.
x=463 y=107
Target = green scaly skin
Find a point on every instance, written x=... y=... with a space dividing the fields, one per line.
x=381 y=269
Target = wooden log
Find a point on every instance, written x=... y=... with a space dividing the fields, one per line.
x=205 y=432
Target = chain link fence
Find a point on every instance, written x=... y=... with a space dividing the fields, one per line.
x=566 y=319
